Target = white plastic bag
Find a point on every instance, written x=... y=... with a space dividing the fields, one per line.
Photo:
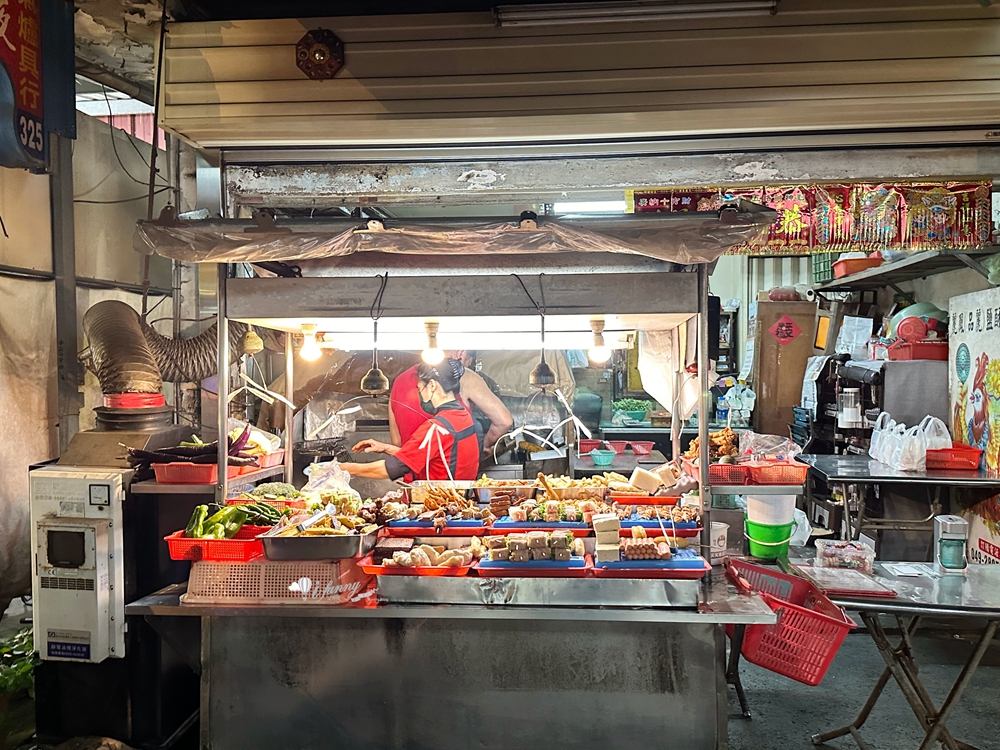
x=891 y=439
x=801 y=530
x=910 y=453
x=883 y=423
x=936 y=433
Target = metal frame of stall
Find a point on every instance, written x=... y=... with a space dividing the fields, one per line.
x=291 y=291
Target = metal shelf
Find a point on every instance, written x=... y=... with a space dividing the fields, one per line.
x=152 y=487
x=916 y=266
x=768 y=489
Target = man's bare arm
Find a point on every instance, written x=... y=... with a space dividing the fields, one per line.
x=475 y=391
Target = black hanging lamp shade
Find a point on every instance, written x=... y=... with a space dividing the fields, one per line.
x=542 y=376
x=375 y=382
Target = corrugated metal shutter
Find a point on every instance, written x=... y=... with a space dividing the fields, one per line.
x=439 y=78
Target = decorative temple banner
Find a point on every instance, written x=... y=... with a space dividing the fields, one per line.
x=843 y=218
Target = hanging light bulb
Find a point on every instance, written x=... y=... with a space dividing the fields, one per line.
x=432 y=355
x=310 y=350
x=599 y=353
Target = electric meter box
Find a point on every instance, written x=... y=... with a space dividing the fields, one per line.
x=77 y=583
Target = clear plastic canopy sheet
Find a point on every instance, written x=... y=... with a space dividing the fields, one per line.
x=684 y=241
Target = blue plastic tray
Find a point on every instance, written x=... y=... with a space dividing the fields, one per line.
x=683 y=558
x=576 y=562
x=505 y=524
x=654 y=524
x=458 y=524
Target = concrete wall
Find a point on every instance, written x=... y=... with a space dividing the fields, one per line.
x=104 y=230
x=27 y=365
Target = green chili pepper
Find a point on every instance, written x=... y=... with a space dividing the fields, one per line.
x=197 y=522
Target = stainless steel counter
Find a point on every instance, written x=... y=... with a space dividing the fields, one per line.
x=976 y=594
x=866 y=470
x=721 y=605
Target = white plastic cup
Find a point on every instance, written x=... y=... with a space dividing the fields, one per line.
x=720 y=537
x=771 y=510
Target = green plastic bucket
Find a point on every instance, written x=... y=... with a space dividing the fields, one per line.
x=768 y=542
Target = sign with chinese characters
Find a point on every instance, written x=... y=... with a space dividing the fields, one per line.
x=21 y=54
x=785 y=330
x=974 y=383
x=843 y=218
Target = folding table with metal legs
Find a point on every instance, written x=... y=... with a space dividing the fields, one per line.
x=976 y=595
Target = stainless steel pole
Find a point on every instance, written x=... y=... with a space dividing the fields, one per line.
x=704 y=407
x=221 y=487
x=289 y=411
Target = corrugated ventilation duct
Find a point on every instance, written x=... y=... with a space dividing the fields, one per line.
x=128 y=356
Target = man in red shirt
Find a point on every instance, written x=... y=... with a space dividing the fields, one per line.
x=406 y=416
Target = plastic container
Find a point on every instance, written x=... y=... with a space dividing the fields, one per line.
x=270 y=582
x=638 y=416
x=777 y=472
x=134 y=400
x=848 y=266
x=907 y=350
x=641 y=447
x=183 y=472
x=586 y=445
x=618 y=446
x=837 y=554
x=241 y=548
x=721 y=474
x=771 y=510
x=603 y=458
x=957 y=458
x=809 y=631
x=720 y=539
x=269 y=460
x=768 y=542
x=395 y=570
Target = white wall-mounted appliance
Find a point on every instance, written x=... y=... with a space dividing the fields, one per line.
x=78 y=581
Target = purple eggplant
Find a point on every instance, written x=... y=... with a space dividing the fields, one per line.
x=240 y=443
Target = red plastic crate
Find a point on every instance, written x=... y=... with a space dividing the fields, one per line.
x=846 y=267
x=641 y=447
x=907 y=350
x=183 y=472
x=269 y=460
x=241 y=548
x=295 y=504
x=808 y=633
x=721 y=474
x=778 y=472
x=959 y=457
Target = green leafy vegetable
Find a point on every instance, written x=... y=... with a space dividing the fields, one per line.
x=17 y=663
x=632 y=404
x=278 y=489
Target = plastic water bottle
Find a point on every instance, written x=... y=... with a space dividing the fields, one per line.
x=722 y=411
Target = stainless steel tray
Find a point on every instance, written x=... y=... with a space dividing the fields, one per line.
x=548 y=592
x=318 y=547
x=485 y=494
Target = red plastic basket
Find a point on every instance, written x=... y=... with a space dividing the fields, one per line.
x=958 y=457
x=809 y=631
x=269 y=460
x=586 y=445
x=618 y=446
x=241 y=548
x=641 y=447
x=778 y=472
x=182 y=472
x=721 y=474
x=296 y=504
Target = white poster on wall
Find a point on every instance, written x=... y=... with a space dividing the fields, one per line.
x=974 y=384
